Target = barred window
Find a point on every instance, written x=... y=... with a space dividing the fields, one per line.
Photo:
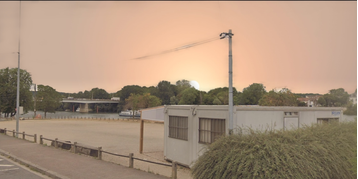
x=326 y=120
x=178 y=127
x=210 y=129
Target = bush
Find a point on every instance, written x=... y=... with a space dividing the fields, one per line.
x=318 y=151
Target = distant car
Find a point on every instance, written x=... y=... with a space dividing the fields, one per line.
x=69 y=97
x=115 y=98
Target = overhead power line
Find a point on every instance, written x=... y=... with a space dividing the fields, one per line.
x=179 y=48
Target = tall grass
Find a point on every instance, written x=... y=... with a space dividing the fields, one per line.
x=318 y=151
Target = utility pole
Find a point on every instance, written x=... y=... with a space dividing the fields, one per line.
x=18 y=79
x=231 y=103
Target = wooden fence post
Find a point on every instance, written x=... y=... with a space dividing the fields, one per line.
x=23 y=135
x=13 y=133
x=100 y=153
x=56 y=145
x=74 y=147
x=41 y=141
x=174 y=170
x=131 y=160
x=35 y=138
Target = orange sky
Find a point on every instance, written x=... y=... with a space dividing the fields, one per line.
x=76 y=46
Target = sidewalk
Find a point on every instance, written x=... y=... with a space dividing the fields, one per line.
x=58 y=163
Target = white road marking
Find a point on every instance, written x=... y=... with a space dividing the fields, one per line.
x=6 y=165
x=9 y=169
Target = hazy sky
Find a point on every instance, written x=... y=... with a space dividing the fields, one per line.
x=76 y=46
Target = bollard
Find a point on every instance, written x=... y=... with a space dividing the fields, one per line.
x=100 y=153
x=56 y=145
x=131 y=160
x=23 y=135
x=74 y=147
x=35 y=138
x=41 y=141
x=13 y=133
x=174 y=170
x=5 y=131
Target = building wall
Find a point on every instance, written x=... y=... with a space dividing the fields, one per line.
x=257 y=118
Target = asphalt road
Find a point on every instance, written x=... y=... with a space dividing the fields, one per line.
x=12 y=170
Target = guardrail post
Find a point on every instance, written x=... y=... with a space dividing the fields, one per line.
x=13 y=133
x=100 y=153
x=74 y=147
x=41 y=141
x=5 y=131
x=23 y=135
x=174 y=170
x=131 y=160
x=35 y=138
x=56 y=145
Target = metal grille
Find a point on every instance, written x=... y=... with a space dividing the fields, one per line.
x=210 y=129
x=326 y=120
x=178 y=127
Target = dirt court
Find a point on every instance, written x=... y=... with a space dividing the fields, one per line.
x=121 y=137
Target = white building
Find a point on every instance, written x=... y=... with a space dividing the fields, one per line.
x=188 y=128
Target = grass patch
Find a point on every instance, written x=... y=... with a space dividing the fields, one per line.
x=318 y=151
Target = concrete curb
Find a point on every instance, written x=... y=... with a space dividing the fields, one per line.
x=32 y=166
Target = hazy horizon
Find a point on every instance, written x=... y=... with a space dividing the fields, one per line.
x=307 y=47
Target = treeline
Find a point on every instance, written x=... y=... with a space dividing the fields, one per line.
x=164 y=93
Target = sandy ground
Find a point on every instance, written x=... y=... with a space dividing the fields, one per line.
x=121 y=137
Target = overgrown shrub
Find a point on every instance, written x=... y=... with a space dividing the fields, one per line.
x=318 y=151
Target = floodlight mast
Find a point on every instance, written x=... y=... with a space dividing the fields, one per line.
x=231 y=103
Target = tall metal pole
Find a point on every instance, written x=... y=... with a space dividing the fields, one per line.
x=18 y=80
x=231 y=103
x=231 y=100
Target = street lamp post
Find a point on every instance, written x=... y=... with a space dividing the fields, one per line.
x=18 y=80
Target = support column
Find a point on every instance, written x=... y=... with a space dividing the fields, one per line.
x=84 y=108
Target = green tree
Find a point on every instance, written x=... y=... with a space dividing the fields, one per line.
x=351 y=109
x=97 y=93
x=283 y=97
x=321 y=101
x=182 y=85
x=252 y=94
x=335 y=98
x=189 y=96
x=165 y=91
x=8 y=90
x=149 y=101
x=48 y=99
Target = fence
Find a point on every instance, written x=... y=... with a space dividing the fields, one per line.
x=4 y=131
x=78 y=148
x=79 y=117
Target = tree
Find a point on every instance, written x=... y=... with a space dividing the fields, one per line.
x=335 y=98
x=182 y=85
x=165 y=91
x=189 y=96
x=48 y=99
x=252 y=94
x=283 y=97
x=351 y=109
x=99 y=94
x=8 y=90
x=137 y=101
